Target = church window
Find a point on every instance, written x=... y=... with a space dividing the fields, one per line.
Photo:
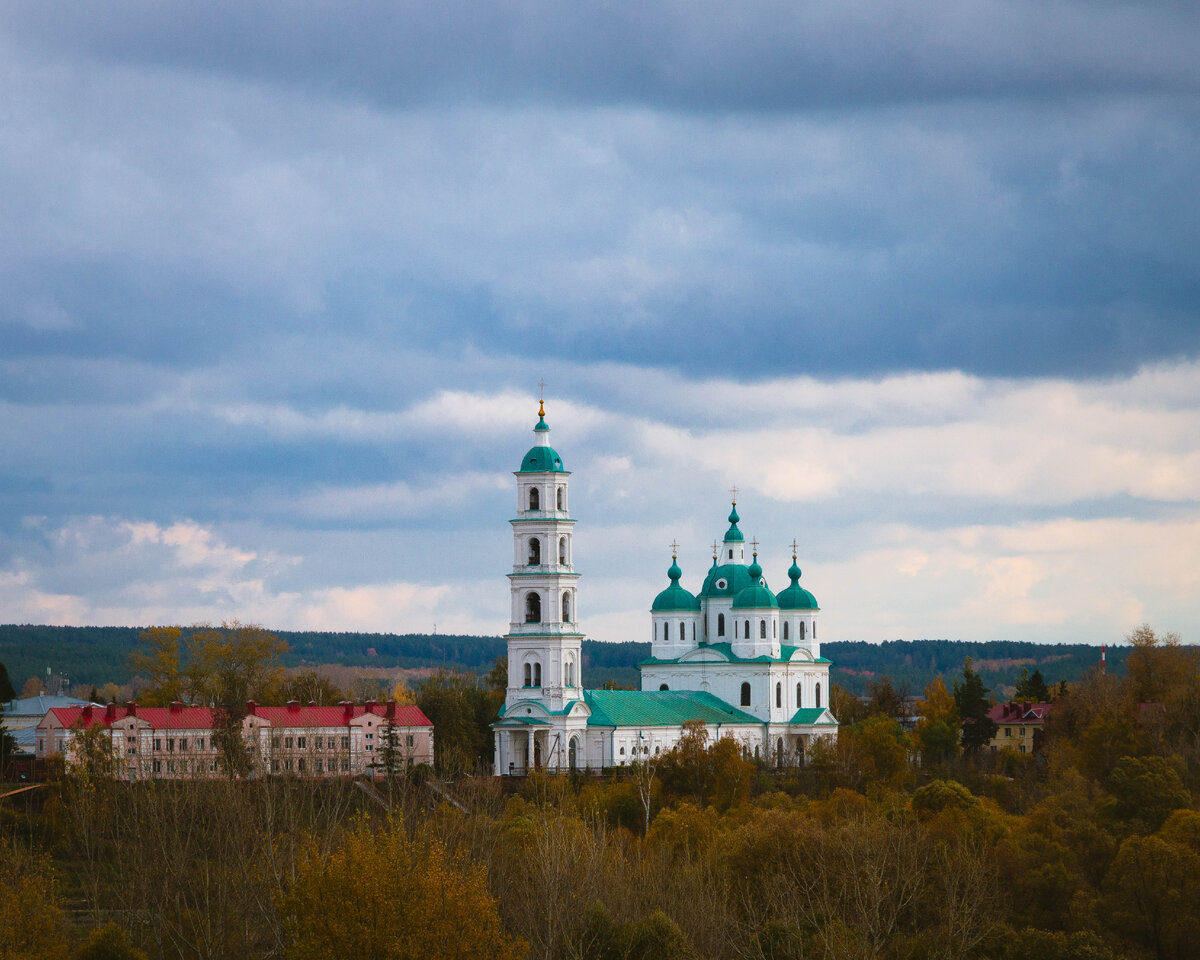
x=533 y=608
x=799 y=698
x=663 y=686
x=622 y=751
x=762 y=629
x=801 y=629
x=528 y=675
x=566 y=607
x=779 y=695
x=814 y=629
x=693 y=631
x=785 y=630
x=535 y=552
x=774 y=628
x=537 y=674
x=720 y=624
x=666 y=633
x=534 y=499
x=818 y=694
x=730 y=554
x=562 y=551
x=682 y=632
x=569 y=672
x=562 y=497
x=745 y=694
x=747 y=629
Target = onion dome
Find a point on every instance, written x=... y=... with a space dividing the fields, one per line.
x=674 y=597
x=756 y=596
x=733 y=534
x=795 y=597
x=542 y=458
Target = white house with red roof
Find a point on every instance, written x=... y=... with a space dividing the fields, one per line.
x=176 y=742
x=1018 y=725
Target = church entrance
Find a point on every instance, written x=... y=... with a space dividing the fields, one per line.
x=573 y=754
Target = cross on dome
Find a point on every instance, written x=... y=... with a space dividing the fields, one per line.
x=674 y=549
x=793 y=548
x=541 y=397
x=733 y=492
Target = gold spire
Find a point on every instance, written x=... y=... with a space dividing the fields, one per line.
x=541 y=398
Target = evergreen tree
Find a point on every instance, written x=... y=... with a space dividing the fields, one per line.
x=970 y=696
x=6 y=688
x=1032 y=687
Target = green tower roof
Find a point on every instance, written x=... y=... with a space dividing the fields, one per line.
x=674 y=597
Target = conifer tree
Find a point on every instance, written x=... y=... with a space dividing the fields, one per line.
x=970 y=696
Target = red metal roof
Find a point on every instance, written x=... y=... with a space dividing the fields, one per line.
x=201 y=718
x=1020 y=712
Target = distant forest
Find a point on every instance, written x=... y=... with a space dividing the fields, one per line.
x=98 y=655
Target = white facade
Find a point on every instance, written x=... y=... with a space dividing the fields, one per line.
x=735 y=657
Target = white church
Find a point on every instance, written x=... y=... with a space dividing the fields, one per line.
x=742 y=660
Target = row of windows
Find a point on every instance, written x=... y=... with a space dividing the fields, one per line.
x=762 y=628
x=533 y=674
x=535 y=498
x=533 y=607
x=535 y=551
x=778 y=695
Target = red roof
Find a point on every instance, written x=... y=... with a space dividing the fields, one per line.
x=201 y=718
x=1020 y=712
x=160 y=718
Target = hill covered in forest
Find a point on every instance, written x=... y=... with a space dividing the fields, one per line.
x=98 y=655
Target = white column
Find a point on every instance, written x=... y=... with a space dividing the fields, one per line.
x=529 y=755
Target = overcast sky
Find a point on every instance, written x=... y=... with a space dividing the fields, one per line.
x=278 y=282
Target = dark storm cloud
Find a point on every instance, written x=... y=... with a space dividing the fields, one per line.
x=705 y=55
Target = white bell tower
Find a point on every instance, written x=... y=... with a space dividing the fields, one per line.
x=543 y=637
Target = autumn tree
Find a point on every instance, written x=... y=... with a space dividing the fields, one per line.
x=939 y=727
x=158 y=660
x=1157 y=665
x=410 y=898
x=32 y=924
x=462 y=711
x=309 y=686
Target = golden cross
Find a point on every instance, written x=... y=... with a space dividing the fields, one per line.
x=541 y=397
x=716 y=547
x=674 y=548
x=733 y=492
x=793 y=548
x=754 y=544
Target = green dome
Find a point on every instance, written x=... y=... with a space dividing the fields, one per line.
x=674 y=597
x=755 y=570
x=733 y=534
x=754 y=597
x=542 y=460
x=735 y=577
x=795 y=597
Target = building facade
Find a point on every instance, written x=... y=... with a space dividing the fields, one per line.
x=743 y=661
x=177 y=742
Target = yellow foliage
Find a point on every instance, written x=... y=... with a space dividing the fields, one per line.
x=31 y=921
x=393 y=898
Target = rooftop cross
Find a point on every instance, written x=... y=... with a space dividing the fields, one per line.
x=793 y=548
x=674 y=548
x=754 y=544
x=541 y=397
x=733 y=492
x=716 y=546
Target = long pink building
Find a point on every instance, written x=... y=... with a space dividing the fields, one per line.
x=176 y=742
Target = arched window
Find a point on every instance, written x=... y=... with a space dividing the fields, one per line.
x=730 y=554
x=528 y=675
x=682 y=632
x=801 y=629
x=693 y=631
x=720 y=624
x=666 y=633
x=762 y=629
x=818 y=694
x=779 y=695
x=663 y=686
x=774 y=628
x=537 y=674
x=561 y=497
x=562 y=551
x=745 y=694
x=534 y=499
x=533 y=608
x=814 y=629
x=747 y=629
x=535 y=552
x=799 y=698
x=566 y=606
x=785 y=630
x=569 y=673
x=573 y=753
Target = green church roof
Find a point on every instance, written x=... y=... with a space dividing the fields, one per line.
x=659 y=708
x=811 y=715
x=795 y=597
x=754 y=597
x=542 y=460
x=733 y=534
x=674 y=597
x=735 y=576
